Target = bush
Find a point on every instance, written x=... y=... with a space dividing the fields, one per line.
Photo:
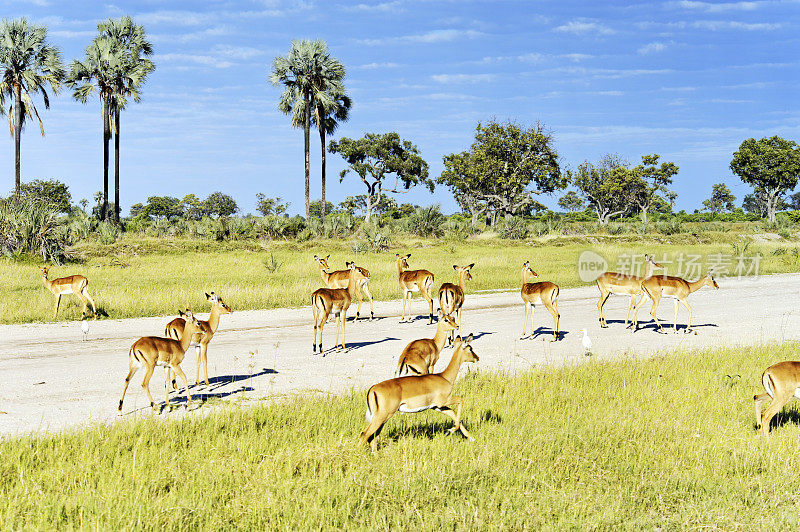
x=669 y=227
x=29 y=227
x=426 y=221
x=515 y=228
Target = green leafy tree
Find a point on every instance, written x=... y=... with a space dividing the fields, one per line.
x=53 y=192
x=502 y=164
x=571 y=202
x=306 y=73
x=770 y=165
x=605 y=186
x=219 y=205
x=191 y=207
x=648 y=183
x=131 y=40
x=267 y=206
x=316 y=208
x=28 y=64
x=757 y=201
x=376 y=158
x=136 y=209
x=165 y=207
x=794 y=202
x=721 y=199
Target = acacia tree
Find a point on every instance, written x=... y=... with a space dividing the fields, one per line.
x=649 y=181
x=605 y=186
x=375 y=157
x=571 y=201
x=28 y=63
x=500 y=167
x=770 y=165
x=721 y=199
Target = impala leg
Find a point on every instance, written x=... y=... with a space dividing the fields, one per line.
x=600 y=304
x=430 y=306
x=146 y=385
x=636 y=313
x=371 y=306
x=759 y=400
x=553 y=308
x=177 y=369
x=675 y=301
x=198 y=353
x=781 y=398
x=344 y=321
x=525 y=320
x=360 y=297
x=58 y=302
x=338 y=327
x=631 y=303
x=656 y=300
x=166 y=384
x=204 y=352
x=459 y=323
x=85 y=293
x=132 y=368
x=403 y=316
x=455 y=416
x=689 y=321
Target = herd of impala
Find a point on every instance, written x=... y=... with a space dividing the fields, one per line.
x=416 y=387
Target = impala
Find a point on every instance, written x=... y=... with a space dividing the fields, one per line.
x=782 y=382
x=414 y=281
x=174 y=329
x=451 y=296
x=152 y=351
x=336 y=300
x=544 y=292
x=74 y=284
x=417 y=393
x=338 y=279
x=420 y=356
x=676 y=288
x=624 y=285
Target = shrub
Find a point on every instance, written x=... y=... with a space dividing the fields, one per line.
x=426 y=221
x=29 y=227
x=515 y=228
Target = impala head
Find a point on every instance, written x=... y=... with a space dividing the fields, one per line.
x=448 y=323
x=322 y=262
x=649 y=258
x=526 y=269
x=217 y=301
x=44 y=271
x=464 y=270
x=402 y=261
x=189 y=317
x=463 y=348
x=709 y=280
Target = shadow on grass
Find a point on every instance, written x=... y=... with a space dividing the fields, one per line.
x=786 y=416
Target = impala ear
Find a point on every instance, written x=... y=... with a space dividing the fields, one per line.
x=469 y=339
x=470 y=266
x=440 y=313
x=315 y=256
x=408 y=256
x=455 y=267
x=208 y=296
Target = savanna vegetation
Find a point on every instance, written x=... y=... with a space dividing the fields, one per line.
x=667 y=442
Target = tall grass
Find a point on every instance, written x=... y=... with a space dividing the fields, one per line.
x=665 y=443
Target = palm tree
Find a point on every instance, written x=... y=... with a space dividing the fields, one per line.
x=306 y=72
x=327 y=118
x=132 y=40
x=27 y=64
x=98 y=71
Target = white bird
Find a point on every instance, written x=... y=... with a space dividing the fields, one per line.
x=587 y=343
x=85 y=328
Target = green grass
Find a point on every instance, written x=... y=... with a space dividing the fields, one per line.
x=664 y=443
x=155 y=277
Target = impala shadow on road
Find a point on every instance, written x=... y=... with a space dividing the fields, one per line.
x=222 y=380
x=357 y=345
x=651 y=325
x=546 y=331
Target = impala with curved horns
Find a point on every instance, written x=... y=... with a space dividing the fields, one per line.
x=624 y=285
x=418 y=393
x=543 y=292
x=339 y=278
x=73 y=284
x=414 y=281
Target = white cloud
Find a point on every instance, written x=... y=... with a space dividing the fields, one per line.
x=524 y=58
x=653 y=47
x=375 y=66
x=577 y=58
x=435 y=36
x=196 y=59
x=713 y=7
x=68 y=34
x=463 y=78
x=583 y=26
x=382 y=7
x=237 y=52
x=716 y=25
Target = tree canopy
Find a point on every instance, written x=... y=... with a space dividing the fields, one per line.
x=721 y=199
x=605 y=186
x=770 y=165
x=53 y=192
x=376 y=158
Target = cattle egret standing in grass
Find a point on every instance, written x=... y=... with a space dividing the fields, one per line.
x=587 y=343
x=85 y=328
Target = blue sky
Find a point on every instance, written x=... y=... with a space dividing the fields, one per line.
x=686 y=79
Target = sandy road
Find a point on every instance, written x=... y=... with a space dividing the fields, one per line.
x=50 y=379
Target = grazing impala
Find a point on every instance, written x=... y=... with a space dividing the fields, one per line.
x=420 y=356
x=152 y=351
x=451 y=296
x=417 y=393
x=782 y=382
x=676 y=288
x=336 y=300
x=338 y=279
x=624 y=285
x=174 y=329
x=414 y=281
x=74 y=284
x=544 y=292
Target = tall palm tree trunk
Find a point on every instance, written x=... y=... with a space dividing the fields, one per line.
x=322 y=142
x=307 y=140
x=116 y=166
x=106 y=135
x=17 y=136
